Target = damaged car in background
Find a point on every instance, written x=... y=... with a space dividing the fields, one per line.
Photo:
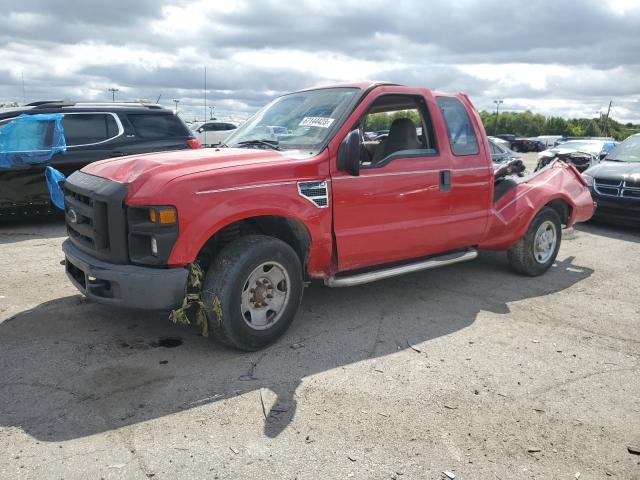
x=90 y=132
x=582 y=154
x=615 y=184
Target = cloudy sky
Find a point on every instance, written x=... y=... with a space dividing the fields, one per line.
x=566 y=57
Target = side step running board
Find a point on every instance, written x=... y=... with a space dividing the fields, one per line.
x=434 y=262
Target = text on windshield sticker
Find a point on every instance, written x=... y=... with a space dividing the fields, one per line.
x=322 y=122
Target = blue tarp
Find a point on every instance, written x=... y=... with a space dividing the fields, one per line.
x=31 y=139
x=54 y=178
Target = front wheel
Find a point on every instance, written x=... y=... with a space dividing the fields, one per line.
x=252 y=292
x=536 y=251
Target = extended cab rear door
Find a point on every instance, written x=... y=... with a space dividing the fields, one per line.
x=398 y=207
x=471 y=170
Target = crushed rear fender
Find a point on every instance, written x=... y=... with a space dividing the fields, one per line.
x=515 y=210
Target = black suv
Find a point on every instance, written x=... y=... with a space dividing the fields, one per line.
x=93 y=131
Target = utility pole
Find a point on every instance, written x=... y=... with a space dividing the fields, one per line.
x=495 y=125
x=24 y=92
x=211 y=110
x=205 y=103
x=113 y=91
x=176 y=101
x=606 y=123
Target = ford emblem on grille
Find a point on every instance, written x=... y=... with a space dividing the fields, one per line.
x=73 y=217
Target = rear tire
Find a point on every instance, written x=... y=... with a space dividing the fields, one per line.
x=536 y=251
x=252 y=292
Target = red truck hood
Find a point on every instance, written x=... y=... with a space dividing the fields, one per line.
x=138 y=168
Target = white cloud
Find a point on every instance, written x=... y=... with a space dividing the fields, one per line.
x=555 y=58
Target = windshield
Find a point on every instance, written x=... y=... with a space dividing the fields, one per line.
x=627 y=151
x=300 y=120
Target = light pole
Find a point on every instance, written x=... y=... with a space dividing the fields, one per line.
x=495 y=125
x=113 y=91
x=176 y=101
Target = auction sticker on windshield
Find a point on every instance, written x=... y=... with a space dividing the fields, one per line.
x=322 y=122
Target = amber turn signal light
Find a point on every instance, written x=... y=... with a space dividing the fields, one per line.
x=163 y=215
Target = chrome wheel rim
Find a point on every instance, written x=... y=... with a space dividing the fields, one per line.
x=265 y=295
x=544 y=242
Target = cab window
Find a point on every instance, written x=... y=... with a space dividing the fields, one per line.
x=396 y=126
x=462 y=138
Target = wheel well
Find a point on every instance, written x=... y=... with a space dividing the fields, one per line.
x=290 y=231
x=563 y=209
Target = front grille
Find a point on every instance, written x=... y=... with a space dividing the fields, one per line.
x=629 y=188
x=605 y=186
x=95 y=216
x=606 y=181
x=631 y=193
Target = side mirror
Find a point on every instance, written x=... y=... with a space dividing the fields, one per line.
x=349 y=153
x=199 y=130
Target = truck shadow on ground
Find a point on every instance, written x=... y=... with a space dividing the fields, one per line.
x=71 y=368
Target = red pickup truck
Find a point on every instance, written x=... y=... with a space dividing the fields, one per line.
x=265 y=213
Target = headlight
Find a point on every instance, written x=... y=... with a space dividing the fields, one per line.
x=588 y=179
x=152 y=232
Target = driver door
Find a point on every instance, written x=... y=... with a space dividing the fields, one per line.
x=398 y=207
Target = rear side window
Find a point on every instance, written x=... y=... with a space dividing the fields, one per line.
x=88 y=128
x=462 y=138
x=158 y=126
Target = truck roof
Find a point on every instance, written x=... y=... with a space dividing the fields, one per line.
x=369 y=84
x=363 y=85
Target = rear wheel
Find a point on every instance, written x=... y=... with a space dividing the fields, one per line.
x=536 y=251
x=252 y=291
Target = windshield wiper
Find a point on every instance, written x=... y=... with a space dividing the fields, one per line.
x=273 y=144
x=613 y=160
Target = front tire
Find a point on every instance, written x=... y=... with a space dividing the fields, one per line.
x=536 y=251
x=252 y=292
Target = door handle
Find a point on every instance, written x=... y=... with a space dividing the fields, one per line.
x=445 y=180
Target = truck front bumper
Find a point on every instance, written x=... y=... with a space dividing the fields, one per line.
x=128 y=286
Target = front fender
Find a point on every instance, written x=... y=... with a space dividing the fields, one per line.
x=208 y=213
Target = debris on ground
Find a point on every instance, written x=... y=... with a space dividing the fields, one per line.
x=353 y=459
x=633 y=449
x=413 y=347
x=379 y=367
x=534 y=449
x=192 y=304
x=234 y=450
x=449 y=474
x=296 y=346
x=264 y=410
x=450 y=407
